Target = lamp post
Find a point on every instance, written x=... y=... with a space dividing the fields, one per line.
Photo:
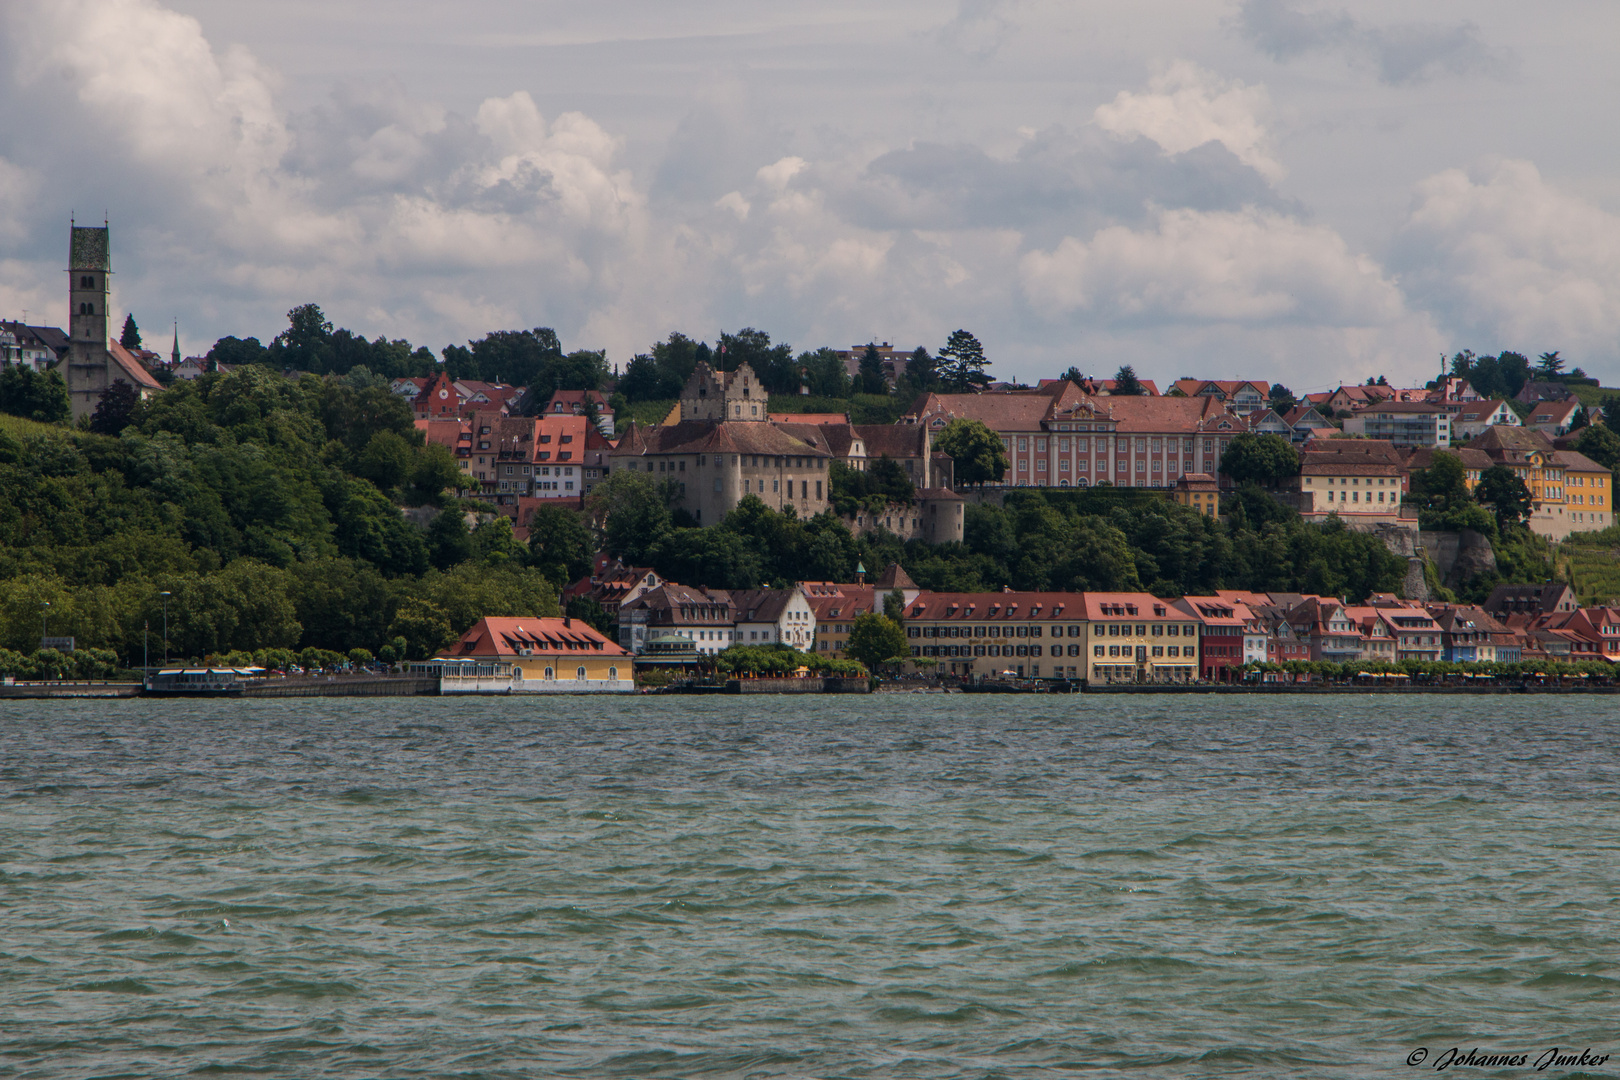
x=165 y=628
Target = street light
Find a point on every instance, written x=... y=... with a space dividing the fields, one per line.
x=165 y=628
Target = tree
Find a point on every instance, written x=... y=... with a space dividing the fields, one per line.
x=234 y=352
x=386 y=460
x=1549 y=365
x=876 y=639
x=424 y=626
x=1601 y=444
x=894 y=605
x=922 y=372
x=1506 y=495
x=130 y=338
x=306 y=344
x=1126 y=384
x=115 y=408
x=1580 y=420
x=35 y=395
x=632 y=513
x=1259 y=459
x=1444 y=484
x=871 y=371
x=661 y=374
x=962 y=364
x=1281 y=399
x=977 y=452
x=773 y=364
x=1611 y=413
x=1073 y=375
x=434 y=471
x=560 y=544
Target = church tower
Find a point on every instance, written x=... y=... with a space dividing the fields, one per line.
x=89 y=267
x=93 y=363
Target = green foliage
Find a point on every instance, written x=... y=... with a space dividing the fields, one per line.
x=424 y=626
x=130 y=336
x=881 y=483
x=1600 y=443
x=977 y=452
x=1259 y=459
x=772 y=364
x=780 y=660
x=824 y=374
x=590 y=612
x=876 y=639
x=35 y=395
x=871 y=371
x=1506 y=495
x=961 y=364
x=114 y=409
x=632 y=512
x=1126 y=384
x=660 y=374
x=560 y=544
x=894 y=605
x=1281 y=399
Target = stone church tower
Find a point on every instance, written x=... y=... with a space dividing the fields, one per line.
x=92 y=363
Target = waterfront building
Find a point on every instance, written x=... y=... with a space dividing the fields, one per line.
x=611 y=584
x=1136 y=637
x=547 y=655
x=836 y=607
x=703 y=616
x=1221 y=631
x=773 y=617
x=1022 y=634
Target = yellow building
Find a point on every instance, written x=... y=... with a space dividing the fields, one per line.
x=1136 y=637
x=1586 y=492
x=548 y=655
x=1569 y=491
x=1199 y=491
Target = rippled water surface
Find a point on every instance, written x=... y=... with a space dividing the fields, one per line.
x=894 y=886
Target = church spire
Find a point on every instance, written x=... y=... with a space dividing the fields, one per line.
x=174 y=356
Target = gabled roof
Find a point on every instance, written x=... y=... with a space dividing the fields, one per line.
x=131 y=368
x=1477 y=412
x=893 y=577
x=726 y=437
x=760 y=605
x=1554 y=412
x=998 y=606
x=504 y=638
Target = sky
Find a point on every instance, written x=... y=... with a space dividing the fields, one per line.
x=1266 y=189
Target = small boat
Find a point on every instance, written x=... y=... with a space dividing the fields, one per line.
x=193 y=682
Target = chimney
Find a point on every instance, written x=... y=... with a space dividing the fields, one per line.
x=567 y=622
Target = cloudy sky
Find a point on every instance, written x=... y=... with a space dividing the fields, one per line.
x=1280 y=189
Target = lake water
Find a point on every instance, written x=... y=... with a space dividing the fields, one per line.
x=890 y=886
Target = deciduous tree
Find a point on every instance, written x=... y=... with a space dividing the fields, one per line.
x=977 y=453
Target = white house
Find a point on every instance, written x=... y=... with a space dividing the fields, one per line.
x=1475 y=416
x=774 y=617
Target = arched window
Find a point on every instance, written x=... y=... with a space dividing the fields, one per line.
x=550 y=674
x=580 y=674
x=613 y=673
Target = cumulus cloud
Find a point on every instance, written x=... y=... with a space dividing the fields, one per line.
x=1511 y=261
x=1186 y=107
x=1400 y=52
x=1248 y=267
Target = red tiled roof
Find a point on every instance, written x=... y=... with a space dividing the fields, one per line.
x=503 y=638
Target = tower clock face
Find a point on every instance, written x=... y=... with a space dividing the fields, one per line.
x=444 y=393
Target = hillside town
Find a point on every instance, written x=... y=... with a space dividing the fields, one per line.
x=1354 y=457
